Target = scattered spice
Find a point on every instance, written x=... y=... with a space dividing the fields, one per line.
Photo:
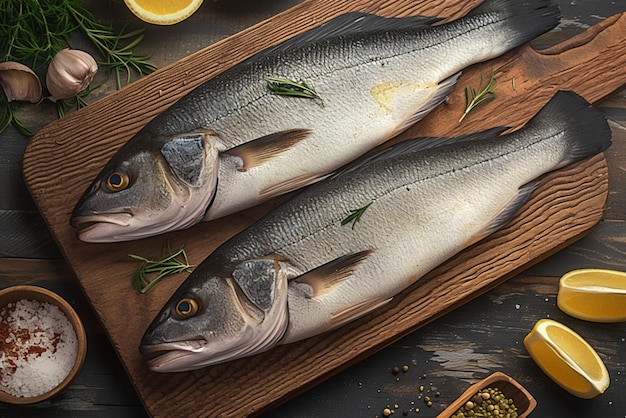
x=38 y=347
x=424 y=394
x=488 y=402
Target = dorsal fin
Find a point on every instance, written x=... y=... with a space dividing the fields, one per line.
x=419 y=144
x=325 y=278
x=345 y=24
x=258 y=151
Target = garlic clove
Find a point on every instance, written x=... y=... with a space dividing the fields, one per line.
x=69 y=72
x=19 y=82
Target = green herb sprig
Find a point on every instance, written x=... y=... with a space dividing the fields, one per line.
x=117 y=49
x=355 y=215
x=474 y=98
x=33 y=31
x=284 y=87
x=78 y=102
x=8 y=117
x=150 y=272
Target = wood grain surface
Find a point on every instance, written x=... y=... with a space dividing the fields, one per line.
x=566 y=206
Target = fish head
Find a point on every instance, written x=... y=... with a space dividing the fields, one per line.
x=151 y=185
x=216 y=318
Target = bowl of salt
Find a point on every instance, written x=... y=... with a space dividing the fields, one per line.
x=42 y=344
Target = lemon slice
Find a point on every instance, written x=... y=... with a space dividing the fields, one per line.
x=593 y=295
x=567 y=359
x=163 y=12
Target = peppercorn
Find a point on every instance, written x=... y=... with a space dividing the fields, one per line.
x=489 y=402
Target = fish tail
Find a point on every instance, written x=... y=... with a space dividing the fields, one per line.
x=523 y=20
x=584 y=127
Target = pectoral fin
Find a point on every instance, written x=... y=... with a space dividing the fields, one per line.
x=325 y=278
x=261 y=150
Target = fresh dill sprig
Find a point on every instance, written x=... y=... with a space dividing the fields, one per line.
x=8 y=117
x=355 y=215
x=33 y=31
x=117 y=49
x=284 y=87
x=150 y=272
x=78 y=102
x=474 y=98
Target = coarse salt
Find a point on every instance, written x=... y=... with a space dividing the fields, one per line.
x=38 y=347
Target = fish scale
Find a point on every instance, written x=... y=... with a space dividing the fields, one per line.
x=375 y=77
x=427 y=204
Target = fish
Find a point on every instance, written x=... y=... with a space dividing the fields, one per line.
x=351 y=243
x=233 y=142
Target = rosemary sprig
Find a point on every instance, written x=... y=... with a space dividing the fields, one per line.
x=174 y=263
x=355 y=215
x=284 y=87
x=474 y=98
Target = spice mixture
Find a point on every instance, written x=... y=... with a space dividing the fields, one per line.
x=38 y=347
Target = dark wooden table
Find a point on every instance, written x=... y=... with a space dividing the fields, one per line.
x=444 y=357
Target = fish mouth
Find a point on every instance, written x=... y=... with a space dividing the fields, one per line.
x=84 y=222
x=166 y=356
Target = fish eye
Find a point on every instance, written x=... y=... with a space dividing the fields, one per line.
x=118 y=180
x=186 y=307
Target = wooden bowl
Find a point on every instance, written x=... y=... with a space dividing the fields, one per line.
x=522 y=399
x=15 y=293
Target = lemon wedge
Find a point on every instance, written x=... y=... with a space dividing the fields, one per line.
x=163 y=12
x=593 y=295
x=567 y=359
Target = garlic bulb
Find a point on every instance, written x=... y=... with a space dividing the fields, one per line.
x=19 y=82
x=69 y=72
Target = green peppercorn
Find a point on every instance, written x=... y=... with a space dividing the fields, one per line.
x=488 y=402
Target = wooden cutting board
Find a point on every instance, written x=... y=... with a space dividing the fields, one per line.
x=65 y=156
